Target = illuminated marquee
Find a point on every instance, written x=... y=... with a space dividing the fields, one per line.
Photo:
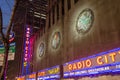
x=31 y=76
x=97 y=64
x=41 y=74
x=50 y=73
x=21 y=78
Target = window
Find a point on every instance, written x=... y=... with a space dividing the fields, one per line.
x=63 y=7
x=53 y=15
x=69 y=4
x=57 y=11
x=85 y=20
x=49 y=22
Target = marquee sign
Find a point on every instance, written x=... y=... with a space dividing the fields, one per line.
x=21 y=78
x=50 y=73
x=31 y=76
x=105 y=62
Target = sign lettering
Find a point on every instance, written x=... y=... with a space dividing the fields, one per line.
x=94 y=64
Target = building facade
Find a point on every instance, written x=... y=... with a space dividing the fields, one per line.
x=77 y=29
x=82 y=37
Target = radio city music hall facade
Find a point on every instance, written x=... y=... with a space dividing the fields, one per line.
x=81 y=41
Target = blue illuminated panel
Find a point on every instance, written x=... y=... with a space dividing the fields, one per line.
x=31 y=79
x=102 y=63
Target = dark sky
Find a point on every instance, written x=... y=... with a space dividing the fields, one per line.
x=7 y=7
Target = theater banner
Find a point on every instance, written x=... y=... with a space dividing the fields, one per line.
x=49 y=74
x=101 y=63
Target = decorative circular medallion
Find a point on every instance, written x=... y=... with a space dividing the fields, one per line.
x=84 y=21
x=41 y=49
x=55 y=42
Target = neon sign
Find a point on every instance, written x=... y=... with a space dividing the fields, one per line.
x=31 y=76
x=21 y=78
x=50 y=73
x=54 y=70
x=105 y=62
x=27 y=42
x=27 y=56
x=42 y=73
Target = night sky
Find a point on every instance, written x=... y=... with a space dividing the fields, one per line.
x=7 y=7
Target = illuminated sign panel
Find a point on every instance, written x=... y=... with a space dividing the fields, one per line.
x=97 y=64
x=21 y=78
x=50 y=73
x=31 y=76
